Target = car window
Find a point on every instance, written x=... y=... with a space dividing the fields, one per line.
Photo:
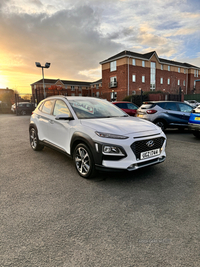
x=94 y=108
x=131 y=106
x=162 y=105
x=171 y=106
x=61 y=108
x=47 y=107
x=185 y=108
x=121 y=105
x=147 y=106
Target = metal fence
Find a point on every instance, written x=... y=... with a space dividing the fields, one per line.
x=192 y=97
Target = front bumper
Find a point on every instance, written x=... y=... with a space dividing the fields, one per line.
x=130 y=161
x=194 y=126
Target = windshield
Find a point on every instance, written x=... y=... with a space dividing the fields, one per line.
x=95 y=108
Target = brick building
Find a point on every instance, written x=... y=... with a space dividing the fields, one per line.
x=128 y=73
x=66 y=87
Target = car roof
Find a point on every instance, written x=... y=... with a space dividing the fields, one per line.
x=122 y=102
x=155 y=102
x=74 y=97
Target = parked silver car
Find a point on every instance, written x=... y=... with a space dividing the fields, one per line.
x=166 y=114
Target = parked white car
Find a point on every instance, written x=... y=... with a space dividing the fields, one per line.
x=192 y=103
x=96 y=134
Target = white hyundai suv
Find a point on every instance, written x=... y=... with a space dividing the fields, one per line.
x=96 y=134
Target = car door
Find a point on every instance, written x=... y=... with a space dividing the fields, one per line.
x=60 y=129
x=172 y=113
x=44 y=118
x=185 y=112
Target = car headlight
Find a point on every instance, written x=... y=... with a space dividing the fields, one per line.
x=108 y=135
x=110 y=149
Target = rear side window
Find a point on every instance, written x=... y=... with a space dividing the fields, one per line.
x=171 y=106
x=147 y=106
x=131 y=106
x=121 y=105
x=47 y=107
x=162 y=105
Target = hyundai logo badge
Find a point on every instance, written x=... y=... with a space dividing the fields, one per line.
x=150 y=143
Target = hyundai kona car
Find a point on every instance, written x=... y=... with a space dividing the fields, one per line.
x=194 y=122
x=166 y=114
x=95 y=134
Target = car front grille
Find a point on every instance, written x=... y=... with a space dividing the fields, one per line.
x=141 y=146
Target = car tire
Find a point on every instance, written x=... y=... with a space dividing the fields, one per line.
x=23 y=112
x=161 y=124
x=34 y=140
x=196 y=134
x=84 y=161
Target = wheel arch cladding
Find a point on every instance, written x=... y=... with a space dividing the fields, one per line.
x=79 y=137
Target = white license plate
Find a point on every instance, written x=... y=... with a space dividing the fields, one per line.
x=149 y=154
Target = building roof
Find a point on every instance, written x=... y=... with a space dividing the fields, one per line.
x=68 y=82
x=53 y=81
x=147 y=56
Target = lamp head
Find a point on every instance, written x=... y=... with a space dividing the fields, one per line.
x=47 y=65
x=38 y=64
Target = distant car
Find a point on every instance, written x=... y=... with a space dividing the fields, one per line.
x=192 y=103
x=194 y=122
x=23 y=108
x=128 y=107
x=166 y=114
x=95 y=134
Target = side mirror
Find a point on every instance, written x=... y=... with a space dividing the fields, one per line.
x=63 y=117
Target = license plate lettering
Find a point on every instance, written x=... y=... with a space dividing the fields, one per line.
x=149 y=154
x=197 y=118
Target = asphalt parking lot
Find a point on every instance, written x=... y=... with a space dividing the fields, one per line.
x=51 y=217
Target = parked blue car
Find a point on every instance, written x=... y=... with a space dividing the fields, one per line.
x=194 y=122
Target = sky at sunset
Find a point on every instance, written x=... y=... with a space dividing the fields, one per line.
x=74 y=36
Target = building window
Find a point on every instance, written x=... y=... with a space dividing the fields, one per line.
x=194 y=73
x=133 y=62
x=197 y=73
x=168 y=68
x=80 y=94
x=133 y=78
x=184 y=71
x=97 y=86
x=161 y=80
x=97 y=94
x=72 y=94
x=113 y=81
x=153 y=76
x=143 y=79
x=161 y=67
x=143 y=63
x=168 y=81
x=80 y=88
x=184 y=83
x=113 y=66
x=72 y=88
x=178 y=82
x=179 y=69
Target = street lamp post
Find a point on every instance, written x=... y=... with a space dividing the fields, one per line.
x=46 y=66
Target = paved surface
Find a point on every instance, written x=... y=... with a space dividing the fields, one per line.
x=52 y=217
